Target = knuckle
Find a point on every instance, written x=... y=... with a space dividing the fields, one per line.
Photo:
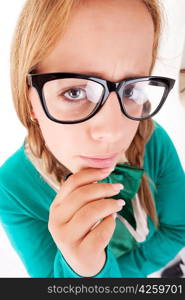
x=51 y=222
x=53 y=206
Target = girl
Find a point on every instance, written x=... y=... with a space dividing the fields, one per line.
x=97 y=188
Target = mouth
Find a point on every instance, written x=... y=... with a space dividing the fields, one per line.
x=104 y=161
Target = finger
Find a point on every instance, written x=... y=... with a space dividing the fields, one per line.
x=114 y=216
x=98 y=238
x=87 y=216
x=69 y=206
x=84 y=177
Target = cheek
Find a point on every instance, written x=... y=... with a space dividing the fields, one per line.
x=131 y=131
x=60 y=139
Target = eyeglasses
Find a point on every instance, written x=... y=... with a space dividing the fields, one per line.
x=70 y=98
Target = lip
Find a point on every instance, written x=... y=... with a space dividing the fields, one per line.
x=100 y=161
x=112 y=155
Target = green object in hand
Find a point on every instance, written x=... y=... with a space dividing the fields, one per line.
x=130 y=177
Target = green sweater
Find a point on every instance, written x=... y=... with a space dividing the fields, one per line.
x=25 y=199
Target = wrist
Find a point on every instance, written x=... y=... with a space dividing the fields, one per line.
x=92 y=267
x=89 y=268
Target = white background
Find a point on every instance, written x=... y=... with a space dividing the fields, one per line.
x=171 y=117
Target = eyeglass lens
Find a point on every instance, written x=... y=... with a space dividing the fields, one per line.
x=70 y=99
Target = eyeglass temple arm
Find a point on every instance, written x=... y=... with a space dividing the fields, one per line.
x=29 y=80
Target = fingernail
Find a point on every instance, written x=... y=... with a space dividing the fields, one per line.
x=117 y=186
x=120 y=202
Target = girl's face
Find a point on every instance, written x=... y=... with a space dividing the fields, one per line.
x=109 y=39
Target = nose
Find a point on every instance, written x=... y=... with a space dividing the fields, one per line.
x=109 y=123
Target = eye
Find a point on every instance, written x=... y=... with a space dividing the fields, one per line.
x=75 y=93
x=136 y=94
x=129 y=91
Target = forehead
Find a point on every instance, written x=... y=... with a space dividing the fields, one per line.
x=112 y=38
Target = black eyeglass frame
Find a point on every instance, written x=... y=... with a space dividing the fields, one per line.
x=37 y=80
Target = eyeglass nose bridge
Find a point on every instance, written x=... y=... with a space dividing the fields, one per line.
x=113 y=87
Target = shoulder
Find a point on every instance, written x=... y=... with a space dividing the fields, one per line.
x=159 y=141
x=159 y=136
x=160 y=153
x=14 y=168
x=23 y=188
x=17 y=174
x=11 y=165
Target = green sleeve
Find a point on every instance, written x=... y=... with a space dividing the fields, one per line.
x=110 y=269
x=165 y=242
x=33 y=243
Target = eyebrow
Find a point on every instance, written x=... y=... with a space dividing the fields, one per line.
x=128 y=76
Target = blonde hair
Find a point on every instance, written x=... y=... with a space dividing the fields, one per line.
x=38 y=29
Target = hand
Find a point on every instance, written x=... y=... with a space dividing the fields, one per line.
x=78 y=206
